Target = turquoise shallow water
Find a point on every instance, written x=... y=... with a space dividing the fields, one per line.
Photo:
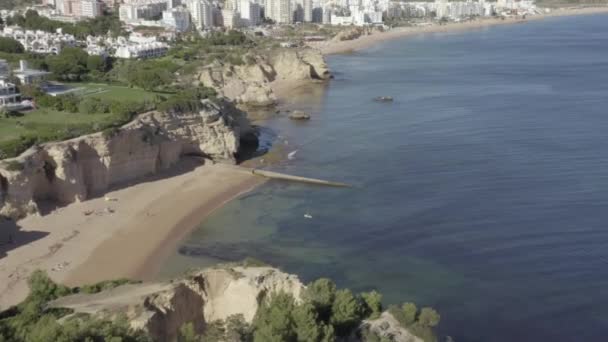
x=481 y=190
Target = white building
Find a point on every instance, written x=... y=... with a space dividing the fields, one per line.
x=280 y=11
x=39 y=41
x=307 y=4
x=91 y=8
x=177 y=18
x=230 y=18
x=201 y=12
x=29 y=76
x=136 y=10
x=4 y=69
x=250 y=13
x=143 y=51
x=9 y=97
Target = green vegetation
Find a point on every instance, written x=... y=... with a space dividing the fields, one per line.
x=19 y=133
x=420 y=323
x=10 y=45
x=63 y=117
x=186 y=100
x=31 y=322
x=97 y=26
x=324 y=314
x=12 y=4
x=94 y=108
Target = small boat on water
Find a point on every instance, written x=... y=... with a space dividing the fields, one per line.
x=292 y=155
x=383 y=98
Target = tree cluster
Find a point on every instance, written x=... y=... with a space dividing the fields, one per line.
x=10 y=45
x=72 y=64
x=98 y=26
x=31 y=321
x=325 y=314
x=419 y=322
x=188 y=100
x=232 y=37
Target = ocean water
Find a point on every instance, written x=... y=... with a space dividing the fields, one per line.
x=482 y=190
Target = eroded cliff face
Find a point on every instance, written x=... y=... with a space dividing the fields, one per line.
x=250 y=84
x=200 y=298
x=74 y=170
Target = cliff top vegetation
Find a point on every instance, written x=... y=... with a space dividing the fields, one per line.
x=325 y=313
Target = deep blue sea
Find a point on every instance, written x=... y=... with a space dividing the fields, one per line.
x=482 y=190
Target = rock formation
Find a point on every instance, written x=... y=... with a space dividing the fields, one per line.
x=387 y=326
x=74 y=170
x=206 y=296
x=249 y=84
x=299 y=115
x=200 y=298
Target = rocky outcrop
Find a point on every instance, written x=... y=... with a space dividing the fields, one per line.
x=200 y=298
x=74 y=170
x=387 y=327
x=249 y=84
x=355 y=32
x=299 y=115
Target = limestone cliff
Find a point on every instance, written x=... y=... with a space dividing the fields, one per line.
x=207 y=296
x=74 y=170
x=200 y=298
x=249 y=84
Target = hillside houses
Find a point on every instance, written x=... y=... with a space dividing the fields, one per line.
x=39 y=41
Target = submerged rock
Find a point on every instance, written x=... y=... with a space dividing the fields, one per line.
x=299 y=115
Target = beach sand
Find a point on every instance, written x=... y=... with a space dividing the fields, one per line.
x=349 y=46
x=144 y=225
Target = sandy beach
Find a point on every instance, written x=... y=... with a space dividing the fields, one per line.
x=127 y=233
x=348 y=46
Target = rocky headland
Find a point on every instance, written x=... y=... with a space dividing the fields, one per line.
x=251 y=84
x=76 y=169
x=203 y=297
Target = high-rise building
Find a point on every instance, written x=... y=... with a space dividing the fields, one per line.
x=326 y=16
x=177 y=18
x=307 y=10
x=201 y=12
x=250 y=12
x=110 y=3
x=298 y=12
x=317 y=15
x=230 y=17
x=91 y=8
x=280 y=11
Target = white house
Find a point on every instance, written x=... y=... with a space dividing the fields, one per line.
x=9 y=97
x=29 y=76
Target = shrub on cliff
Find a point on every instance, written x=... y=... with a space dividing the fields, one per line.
x=31 y=321
x=419 y=323
x=188 y=100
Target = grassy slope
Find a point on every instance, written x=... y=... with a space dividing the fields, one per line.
x=44 y=120
x=112 y=92
x=47 y=120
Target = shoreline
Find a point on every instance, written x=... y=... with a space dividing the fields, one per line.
x=145 y=224
x=150 y=218
x=367 y=41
